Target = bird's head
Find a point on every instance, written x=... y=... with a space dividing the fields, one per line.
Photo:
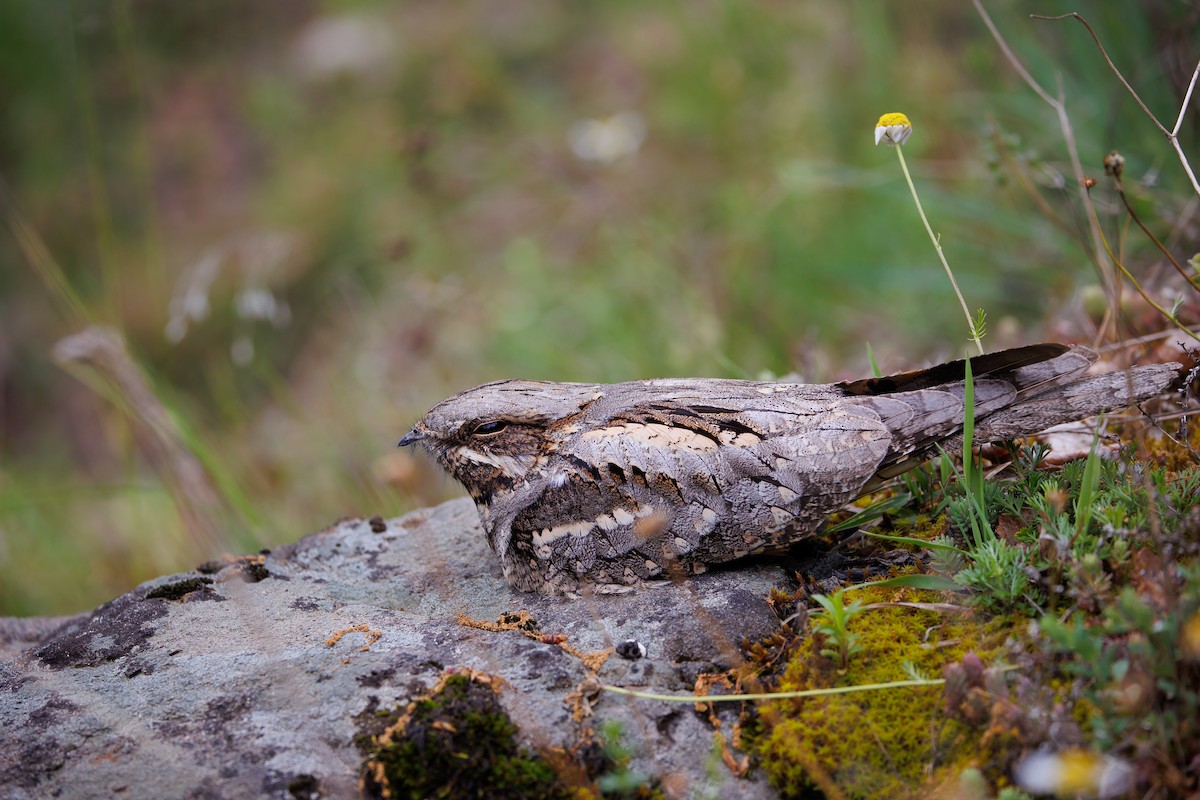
x=497 y=436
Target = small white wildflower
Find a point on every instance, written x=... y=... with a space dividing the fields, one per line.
x=344 y=45
x=258 y=303
x=190 y=303
x=893 y=129
x=606 y=140
x=1074 y=773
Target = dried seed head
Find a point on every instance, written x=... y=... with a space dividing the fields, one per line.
x=1114 y=164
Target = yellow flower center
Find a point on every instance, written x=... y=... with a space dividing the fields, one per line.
x=893 y=119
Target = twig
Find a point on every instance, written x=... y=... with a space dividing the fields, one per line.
x=1168 y=315
x=1098 y=250
x=732 y=698
x=1161 y=247
x=1173 y=134
x=1022 y=177
x=1140 y=340
x=729 y=698
x=37 y=253
x=98 y=356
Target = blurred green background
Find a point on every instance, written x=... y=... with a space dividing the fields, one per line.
x=311 y=221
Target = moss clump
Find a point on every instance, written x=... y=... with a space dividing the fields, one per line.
x=879 y=743
x=179 y=589
x=457 y=743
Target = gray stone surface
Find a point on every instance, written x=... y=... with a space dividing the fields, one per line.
x=224 y=685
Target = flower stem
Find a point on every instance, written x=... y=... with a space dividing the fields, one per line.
x=938 y=247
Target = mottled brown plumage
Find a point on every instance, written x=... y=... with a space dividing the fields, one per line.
x=611 y=485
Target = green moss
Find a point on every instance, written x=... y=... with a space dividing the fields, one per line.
x=177 y=590
x=458 y=743
x=879 y=743
x=1165 y=452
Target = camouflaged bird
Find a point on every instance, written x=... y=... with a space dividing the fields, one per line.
x=615 y=485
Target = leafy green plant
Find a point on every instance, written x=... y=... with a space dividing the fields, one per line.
x=618 y=780
x=1088 y=484
x=832 y=621
x=1136 y=664
x=972 y=473
x=996 y=573
x=994 y=568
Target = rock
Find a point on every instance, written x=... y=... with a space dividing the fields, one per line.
x=253 y=678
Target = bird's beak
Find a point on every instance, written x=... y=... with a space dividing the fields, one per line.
x=412 y=437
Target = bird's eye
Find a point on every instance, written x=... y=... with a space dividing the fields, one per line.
x=489 y=428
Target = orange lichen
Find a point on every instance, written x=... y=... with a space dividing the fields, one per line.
x=372 y=635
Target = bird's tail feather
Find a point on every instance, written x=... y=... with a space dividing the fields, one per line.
x=1017 y=393
x=1057 y=402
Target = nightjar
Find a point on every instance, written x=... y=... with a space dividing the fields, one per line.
x=613 y=485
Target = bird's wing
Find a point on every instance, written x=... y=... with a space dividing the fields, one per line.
x=737 y=468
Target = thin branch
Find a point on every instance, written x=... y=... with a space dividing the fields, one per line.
x=1169 y=316
x=1141 y=340
x=1021 y=174
x=1161 y=247
x=1098 y=250
x=1187 y=167
x=1173 y=134
x=38 y=254
x=730 y=698
x=1111 y=65
x=1187 y=98
x=1012 y=57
